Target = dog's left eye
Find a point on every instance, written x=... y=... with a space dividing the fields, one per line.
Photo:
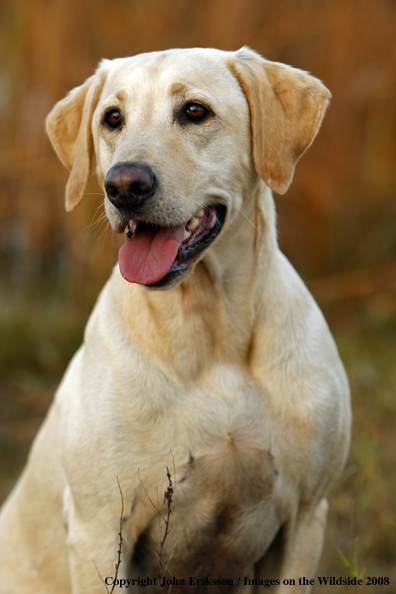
x=194 y=112
x=113 y=119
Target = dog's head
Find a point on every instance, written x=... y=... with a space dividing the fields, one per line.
x=179 y=139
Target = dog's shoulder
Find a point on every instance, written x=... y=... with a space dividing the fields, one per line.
x=295 y=356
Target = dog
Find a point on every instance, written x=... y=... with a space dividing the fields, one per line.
x=207 y=371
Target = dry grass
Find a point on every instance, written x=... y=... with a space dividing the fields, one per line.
x=339 y=214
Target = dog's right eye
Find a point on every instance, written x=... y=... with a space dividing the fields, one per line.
x=194 y=113
x=113 y=119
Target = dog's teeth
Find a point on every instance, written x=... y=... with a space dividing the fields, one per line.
x=187 y=234
x=131 y=228
x=200 y=213
x=193 y=224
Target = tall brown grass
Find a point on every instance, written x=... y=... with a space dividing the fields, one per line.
x=338 y=214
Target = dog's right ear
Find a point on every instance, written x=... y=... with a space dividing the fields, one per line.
x=286 y=106
x=69 y=128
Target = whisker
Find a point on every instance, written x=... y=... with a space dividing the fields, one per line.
x=88 y=194
x=98 y=227
x=247 y=218
x=104 y=231
x=96 y=222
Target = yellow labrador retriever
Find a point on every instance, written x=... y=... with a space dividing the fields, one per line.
x=205 y=353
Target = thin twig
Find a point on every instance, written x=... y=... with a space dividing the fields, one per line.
x=148 y=497
x=168 y=497
x=104 y=583
x=174 y=469
x=117 y=565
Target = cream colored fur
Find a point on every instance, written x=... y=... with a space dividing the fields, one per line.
x=231 y=378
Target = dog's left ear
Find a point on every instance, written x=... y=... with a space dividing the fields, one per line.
x=69 y=128
x=286 y=108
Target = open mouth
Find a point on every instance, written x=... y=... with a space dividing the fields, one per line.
x=154 y=254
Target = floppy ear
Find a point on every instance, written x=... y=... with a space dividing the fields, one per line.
x=286 y=108
x=69 y=128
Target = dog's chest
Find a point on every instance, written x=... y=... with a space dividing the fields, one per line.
x=225 y=505
x=195 y=417
x=225 y=491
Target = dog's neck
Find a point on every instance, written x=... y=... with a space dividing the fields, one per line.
x=212 y=313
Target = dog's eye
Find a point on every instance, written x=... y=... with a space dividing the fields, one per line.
x=194 y=112
x=113 y=119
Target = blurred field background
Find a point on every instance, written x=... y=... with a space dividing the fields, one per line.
x=337 y=223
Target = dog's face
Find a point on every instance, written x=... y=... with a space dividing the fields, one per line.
x=173 y=151
x=179 y=139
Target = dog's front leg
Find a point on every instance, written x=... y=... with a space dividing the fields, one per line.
x=93 y=550
x=298 y=556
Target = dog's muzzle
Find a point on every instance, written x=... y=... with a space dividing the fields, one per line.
x=156 y=253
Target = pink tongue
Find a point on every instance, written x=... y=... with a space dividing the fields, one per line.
x=148 y=256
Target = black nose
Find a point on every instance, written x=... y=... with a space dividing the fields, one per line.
x=128 y=185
